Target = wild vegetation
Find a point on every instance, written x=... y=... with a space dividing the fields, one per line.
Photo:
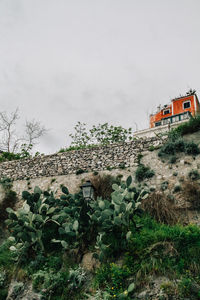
x=193 y=125
x=134 y=234
x=14 y=146
x=49 y=236
x=98 y=135
x=176 y=144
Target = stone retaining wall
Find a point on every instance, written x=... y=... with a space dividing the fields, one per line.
x=96 y=159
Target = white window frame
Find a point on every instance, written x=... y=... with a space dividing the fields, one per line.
x=187 y=102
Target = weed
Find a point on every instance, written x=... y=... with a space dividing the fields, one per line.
x=113 y=277
x=142 y=172
x=151 y=148
x=194 y=175
x=80 y=171
x=177 y=189
x=175 y=173
x=109 y=168
x=169 y=288
x=139 y=157
x=185 y=286
x=122 y=166
x=173 y=159
x=164 y=185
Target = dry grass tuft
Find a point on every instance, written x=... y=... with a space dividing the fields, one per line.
x=191 y=193
x=103 y=185
x=161 y=208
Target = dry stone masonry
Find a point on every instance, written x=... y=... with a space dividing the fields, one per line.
x=96 y=159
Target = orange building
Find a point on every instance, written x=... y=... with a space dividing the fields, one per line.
x=179 y=109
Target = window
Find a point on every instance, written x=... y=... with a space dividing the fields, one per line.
x=166 y=121
x=173 y=119
x=166 y=111
x=157 y=124
x=186 y=104
x=185 y=116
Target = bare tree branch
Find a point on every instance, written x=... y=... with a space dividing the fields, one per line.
x=7 y=127
x=34 y=130
x=9 y=140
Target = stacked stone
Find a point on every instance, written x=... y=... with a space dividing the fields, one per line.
x=96 y=159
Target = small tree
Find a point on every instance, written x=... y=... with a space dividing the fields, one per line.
x=108 y=134
x=10 y=141
x=101 y=134
x=80 y=138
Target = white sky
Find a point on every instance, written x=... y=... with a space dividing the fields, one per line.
x=95 y=61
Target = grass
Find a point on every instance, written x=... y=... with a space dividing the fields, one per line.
x=154 y=250
x=71 y=148
x=163 y=250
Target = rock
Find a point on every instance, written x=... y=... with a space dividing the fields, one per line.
x=89 y=263
x=21 y=291
x=142 y=295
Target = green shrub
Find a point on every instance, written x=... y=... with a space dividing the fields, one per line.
x=9 y=199
x=142 y=172
x=185 y=287
x=80 y=171
x=3 y=293
x=172 y=159
x=151 y=148
x=7 y=156
x=164 y=185
x=167 y=149
x=194 y=175
x=122 y=166
x=173 y=146
x=6 y=257
x=49 y=283
x=177 y=189
x=192 y=148
x=115 y=279
x=191 y=126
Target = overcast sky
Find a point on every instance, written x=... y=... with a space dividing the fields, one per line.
x=95 y=61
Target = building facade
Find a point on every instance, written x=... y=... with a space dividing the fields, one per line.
x=179 y=109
